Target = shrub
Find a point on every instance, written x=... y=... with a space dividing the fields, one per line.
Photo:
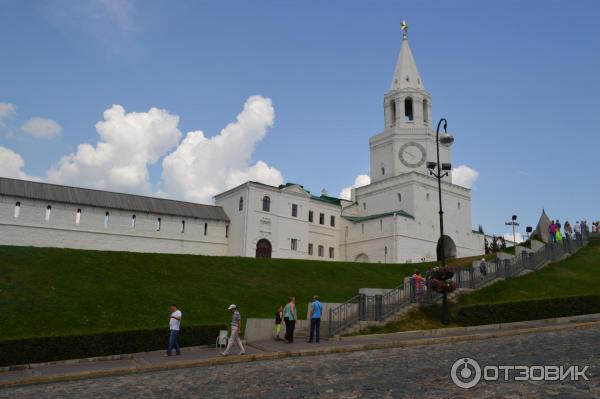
x=52 y=348
x=507 y=312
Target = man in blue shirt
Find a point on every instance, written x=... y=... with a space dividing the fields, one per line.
x=316 y=308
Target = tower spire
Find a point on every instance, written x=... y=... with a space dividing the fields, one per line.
x=406 y=74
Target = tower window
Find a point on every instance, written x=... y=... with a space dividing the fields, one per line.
x=158 y=223
x=241 y=204
x=78 y=216
x=459 y=206
x=17 y=209
x=182 y=226
x=106 y=218
x=266 y=203
x=425 y=111
x=226 y=231
x=392 y=112
x=380 y=225
x=383 y=170
x=427 y=196
x=132 y=222
x=311 y=216
x=364 y=206
x=399 y=197
x=48 y=210
x=205 y=228
x=408 y=109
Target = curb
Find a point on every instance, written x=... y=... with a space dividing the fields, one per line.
x=301 y=353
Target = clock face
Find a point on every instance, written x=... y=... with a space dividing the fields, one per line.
x=412 y=154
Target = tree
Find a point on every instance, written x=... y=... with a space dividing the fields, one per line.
x=494 y=247
x=486 y=245
x=480 y=229
x=502 y=243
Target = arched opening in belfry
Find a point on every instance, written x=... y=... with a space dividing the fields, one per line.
x=393 y=112
x=408 y=109
x=449 y=248
x=425 y=111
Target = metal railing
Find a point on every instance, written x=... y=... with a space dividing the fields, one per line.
x=378 y=307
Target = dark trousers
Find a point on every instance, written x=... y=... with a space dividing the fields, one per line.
x=289 y=329
x=173 y=342
x=315 y=329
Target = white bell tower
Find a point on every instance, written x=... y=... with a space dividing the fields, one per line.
x=408 y=139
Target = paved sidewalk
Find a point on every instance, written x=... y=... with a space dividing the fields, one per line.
x=269 y=350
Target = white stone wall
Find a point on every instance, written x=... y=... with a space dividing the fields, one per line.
x=61 y=229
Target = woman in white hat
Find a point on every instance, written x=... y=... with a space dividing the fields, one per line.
x=236 y=321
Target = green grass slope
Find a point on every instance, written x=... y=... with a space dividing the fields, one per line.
x=46 y=291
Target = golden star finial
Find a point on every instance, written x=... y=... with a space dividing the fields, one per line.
x=404 y=27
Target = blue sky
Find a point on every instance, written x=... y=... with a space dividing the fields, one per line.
x=518 y=82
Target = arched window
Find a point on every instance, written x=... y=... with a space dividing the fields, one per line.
x=399 y=197
x=158 y=222
x=459 y=206
x=17 y=209
x=392 y=112
x=383 y=170
x=425 y=111
x=408 y=109
x=266 y=206
x=241 y=204
x=205 y=228
x=427 y=196
x=132 y=222
x=78 y=216
x=106 y=218
x=183 y=226
x=48 y=210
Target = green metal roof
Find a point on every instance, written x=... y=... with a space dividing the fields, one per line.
x=328 y=199
x=358 y=219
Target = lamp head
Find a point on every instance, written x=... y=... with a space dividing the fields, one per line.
x=446 y=139
x=446 y=166
x=431 y=165
x=514 y=217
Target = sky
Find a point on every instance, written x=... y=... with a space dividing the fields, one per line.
x=186 y=99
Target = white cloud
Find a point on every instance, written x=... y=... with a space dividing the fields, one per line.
x=509 y=237
x=202 y=167
x=12 y=164
x=129 y=142
x=464 y=176
x=361 y=180
x=42 y=128
x=7 y=110
x=119 y=11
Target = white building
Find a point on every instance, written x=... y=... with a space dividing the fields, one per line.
x=393 y=219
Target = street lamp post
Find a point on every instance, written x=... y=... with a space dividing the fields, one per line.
x=514 y=224
x=442 y=171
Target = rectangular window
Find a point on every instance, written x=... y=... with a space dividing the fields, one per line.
x=310 y=216
x=17 y=210
x=106 y=217
x=310 y=248
x=48 y=210
x=321 y=218
x=78 y=216
x=331 y=253
x=133 y=221
x=295 y=210
x=205 y=228
x=226 y=231
x=182 y=226
x=158 y=224
x=294 y=244
x=321 y=250
x=332 y=221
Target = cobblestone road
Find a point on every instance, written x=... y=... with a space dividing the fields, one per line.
x=408 y=372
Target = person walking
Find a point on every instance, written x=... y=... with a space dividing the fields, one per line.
x=174 y=324
x=568 y=230
x=236 y=328
x=578 y=230
x=482 y=267
x=417 y=280
x=290 y=317
x=278 y=320
x=316 y=309
x=552 y=231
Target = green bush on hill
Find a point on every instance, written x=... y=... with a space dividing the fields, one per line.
x=44 y=349
x=508 y=312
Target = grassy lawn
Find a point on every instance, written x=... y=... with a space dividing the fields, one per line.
x=46 y=291
x=574 y=276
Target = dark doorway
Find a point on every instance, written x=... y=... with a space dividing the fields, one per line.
x=449 y=248
x=263 y=249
